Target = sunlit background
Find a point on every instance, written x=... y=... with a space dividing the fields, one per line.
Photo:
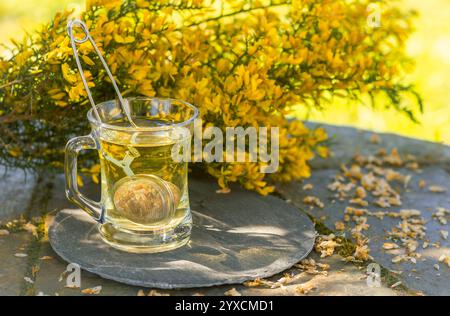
x=429 y=46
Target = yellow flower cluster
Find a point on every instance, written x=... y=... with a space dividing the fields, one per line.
x=242 y=63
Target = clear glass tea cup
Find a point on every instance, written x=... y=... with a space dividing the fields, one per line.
x=144 y=203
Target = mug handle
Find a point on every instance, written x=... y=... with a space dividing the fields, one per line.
x=73 y=147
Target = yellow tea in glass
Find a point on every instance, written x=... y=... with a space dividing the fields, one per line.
x=144 y=203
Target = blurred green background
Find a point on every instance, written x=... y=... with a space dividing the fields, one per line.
x=429 y=46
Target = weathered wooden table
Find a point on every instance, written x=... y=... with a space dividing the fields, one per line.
x=29 y=266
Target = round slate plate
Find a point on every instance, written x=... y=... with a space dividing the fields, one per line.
x=236 y=237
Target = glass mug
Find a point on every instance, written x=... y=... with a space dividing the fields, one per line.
x=144 y=203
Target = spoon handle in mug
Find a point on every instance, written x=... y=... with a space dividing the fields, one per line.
x=123 y=103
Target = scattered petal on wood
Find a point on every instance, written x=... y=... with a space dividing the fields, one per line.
x=304 y=288
x=326 y=245
x=308 y=186
x=140 y=293
x=390 y=246
x=156 y=293
x=29 y=280
x=355 y=211
x=310 y=266
x=286 y=279
x=354 y=172
x=339 y=226
x=362 y=253
x=412 y=165
x=382 y=202
x=259 y=282
x=20 y=255
x=436 y=189
x=312 y=200
x=46 y=258
x=396 y=284
x=360 y=192
x=232 y=292
x=223 y=191
x=359 y=202
x=253 y=283
x=445 y=259
x=393 y=158
x=398 y=259
x=422 y=184
x=375 y=139
x=92 y=291
x=32 y=229
x=369 y=175
x=34 y=270
x=441 y=215
x=409 y=213
x=4 y=232
x=62 y=276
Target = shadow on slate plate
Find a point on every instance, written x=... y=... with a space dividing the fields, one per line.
x=236 y=237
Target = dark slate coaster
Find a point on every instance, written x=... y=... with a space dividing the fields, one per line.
x=236 y=237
